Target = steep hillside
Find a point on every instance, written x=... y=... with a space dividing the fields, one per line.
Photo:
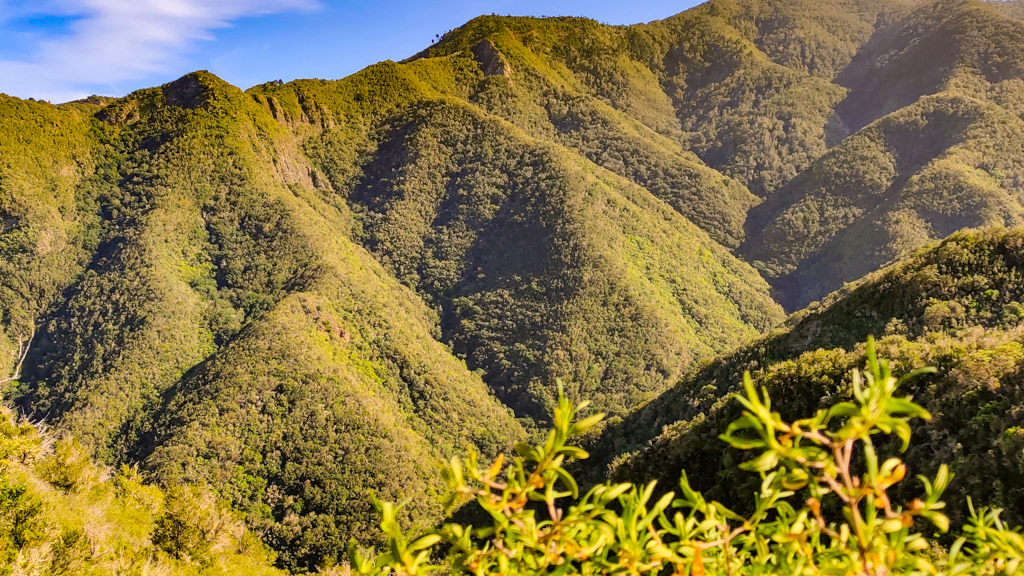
x=762 y=91
x=49 y=159
x=526 y=271
x=225 y=291
x=222 y=323
x=744 y=84
x=947 y=162
x=60 y=513
x=957 y=306
x=919 y=54
x=758 y=109
x=533 y=254
x=304 y=291
x=937 y=101
x=571 y=80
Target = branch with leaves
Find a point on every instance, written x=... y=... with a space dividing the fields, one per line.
x=24 y=344
x=824 y=506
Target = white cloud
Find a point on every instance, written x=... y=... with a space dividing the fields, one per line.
x=110 y=41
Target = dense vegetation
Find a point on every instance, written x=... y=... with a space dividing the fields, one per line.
x=948 y=162
x=60 y=513
x=303 y=291
x=849 y=523
x=228 y=325
x=769 y=93
x=1013 y=8
x=48 y=176
x=954 y=307
x=226 y=302
x=945 y=153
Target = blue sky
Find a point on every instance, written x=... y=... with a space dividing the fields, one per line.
x=59 y=50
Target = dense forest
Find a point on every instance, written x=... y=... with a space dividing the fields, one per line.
x=228 y=316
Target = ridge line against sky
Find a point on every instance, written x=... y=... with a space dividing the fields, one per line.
x=61 y=50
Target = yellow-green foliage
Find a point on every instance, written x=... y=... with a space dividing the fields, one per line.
x=1014 y=8
x=48 y=156
x=760 y=91
x=755 y=119
x=825 y=504
x=550 y=82
x=439 y=183
x=579 y=250
x=940 y=150
x=62 y=514
x=230 y=332
x=950 y=161
x=956 y=306
x=305 y=290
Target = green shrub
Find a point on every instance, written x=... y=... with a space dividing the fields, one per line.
x=62 y=514
x=824 y=506
x=19 y=522
x=19 y=441
x=70 y=466
x=188 y=526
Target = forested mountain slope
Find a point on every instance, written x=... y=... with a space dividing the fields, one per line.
x=743 y=84
x=533 y=253
x=226 y=312
x=305 y=290
x=949 y=161
x=47 y=221
x=922 y=52
x=218 y=320
x=941 y=92
x=956 y=306
x=61 y=513
x=762 y=91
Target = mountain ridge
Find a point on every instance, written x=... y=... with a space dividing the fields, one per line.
x=305 y=290
x=924 y=313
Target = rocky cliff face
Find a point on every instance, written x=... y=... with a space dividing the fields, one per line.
x=492 y=61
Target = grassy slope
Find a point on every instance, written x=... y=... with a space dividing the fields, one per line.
x=956 y=306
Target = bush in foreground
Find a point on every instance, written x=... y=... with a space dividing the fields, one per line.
x=61 y=514
x=823 y=507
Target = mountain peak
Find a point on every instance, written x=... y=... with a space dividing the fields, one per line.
x=196 y=89
x=311 y=289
